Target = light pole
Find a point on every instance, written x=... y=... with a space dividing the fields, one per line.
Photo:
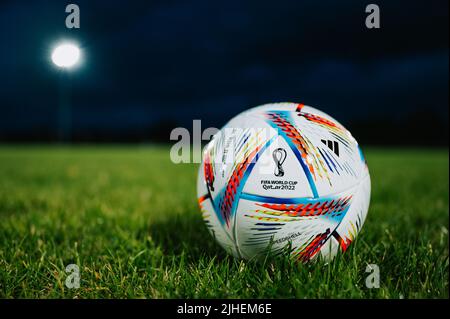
x=66 y=56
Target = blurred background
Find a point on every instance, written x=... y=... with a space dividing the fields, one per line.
x=151 y=66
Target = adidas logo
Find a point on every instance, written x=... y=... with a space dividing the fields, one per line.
x=332 y=145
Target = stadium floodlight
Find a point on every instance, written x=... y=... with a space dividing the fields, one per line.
x=66 y=55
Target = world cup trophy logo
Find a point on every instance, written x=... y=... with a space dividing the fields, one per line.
x=279 y=156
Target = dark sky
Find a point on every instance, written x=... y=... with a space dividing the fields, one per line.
x=152 y=65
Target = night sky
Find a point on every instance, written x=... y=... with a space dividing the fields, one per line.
x=150 y=66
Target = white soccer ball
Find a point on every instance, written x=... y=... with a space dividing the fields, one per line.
x=283 y=177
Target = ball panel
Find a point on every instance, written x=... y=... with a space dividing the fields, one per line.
x=278 y=174
x=335 y=159
x=356 y=216
x=304 y=223
x=223 y=235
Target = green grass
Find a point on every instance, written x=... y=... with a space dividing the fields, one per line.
x=129 y=218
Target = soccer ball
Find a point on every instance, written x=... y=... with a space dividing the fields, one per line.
x=283 y=177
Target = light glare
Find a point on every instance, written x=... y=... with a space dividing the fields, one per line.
x=66 y=55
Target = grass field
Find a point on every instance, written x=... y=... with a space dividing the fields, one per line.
x=129 y=219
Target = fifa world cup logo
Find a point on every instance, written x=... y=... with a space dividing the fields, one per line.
x=279 y=156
